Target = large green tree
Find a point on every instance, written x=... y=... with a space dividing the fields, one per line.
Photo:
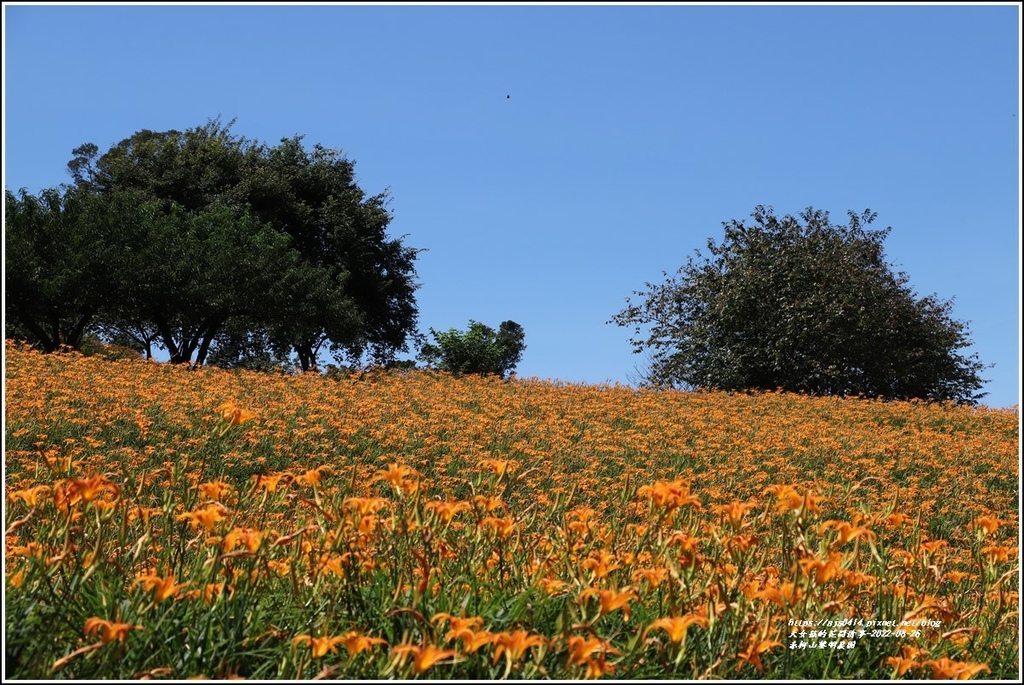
x=352 y=290
x=365 y=302
x=803 y=305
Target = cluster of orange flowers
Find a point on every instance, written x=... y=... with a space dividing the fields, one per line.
x=649 y=520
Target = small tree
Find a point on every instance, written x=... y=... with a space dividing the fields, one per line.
x=806 y=307
x=479 y=350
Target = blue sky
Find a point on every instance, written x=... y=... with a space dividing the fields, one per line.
x=630 y=134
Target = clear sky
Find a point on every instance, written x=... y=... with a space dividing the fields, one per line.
x=552 y=159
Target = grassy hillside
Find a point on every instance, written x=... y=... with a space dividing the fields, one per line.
x=419 y=525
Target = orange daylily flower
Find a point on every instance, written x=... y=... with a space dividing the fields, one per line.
x=497 y=466
x=270 y=482
x=108 y=631
x=246 y=537
x=336 y=563
x=997 y=553
x=396 y=475
x=144 y=513
x=232 y=415
x=687 y=543
x=610 y=600
x=670 y=495
x=552 y=586
x=424 y=657
x=355 y=642
x=676 y=626
x=652 y=576
x=319 y=646
x=637 y=529
x=847 y=531
x=912 y=652
x=163 y=588
x=281 y=568
x=446 y=511
x=215 y=489
x=365 y=506
x=958 y=576
x=897 y=519
x=688 y=547
x=104 y=505
x=947 y=669
x=785 y=595
x=472 y=640
x=929 y=546
x=986 y=525
x=758 y=645
x=514 y=645
x=16 y=579
x=30 y=496
x=501 y=527
x=458 y=622
x=32 y=549
x=854 y=579
x=582 y=652
x=487 y=503
x=823 y=571
x=204 y=518
x=214 y=590
x=581 y=649
x=902 y=664
x=734 y=511
x=742 y=542
x=598 y=667
x=466 y=629
x=584 y=515
x=601 y=562
x=312 y=477
x=78 y=490
x=211 y=592
x=791 y=500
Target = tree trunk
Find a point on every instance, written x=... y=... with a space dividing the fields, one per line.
x=168 y=337
x=44 y=338
x=210 y=332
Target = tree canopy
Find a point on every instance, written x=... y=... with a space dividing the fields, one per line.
x=57 y=254
x=203 y=240
x=802 y=305
x=479 y=350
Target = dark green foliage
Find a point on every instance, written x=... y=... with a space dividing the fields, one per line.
x=202 y=239
x=479 y=350
x=242 y=346
x=803 y=305
x=198 y=271
x=59 y=254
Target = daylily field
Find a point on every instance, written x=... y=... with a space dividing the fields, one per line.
x=167 y=523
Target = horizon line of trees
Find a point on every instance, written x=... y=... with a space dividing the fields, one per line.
x=231 y=252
